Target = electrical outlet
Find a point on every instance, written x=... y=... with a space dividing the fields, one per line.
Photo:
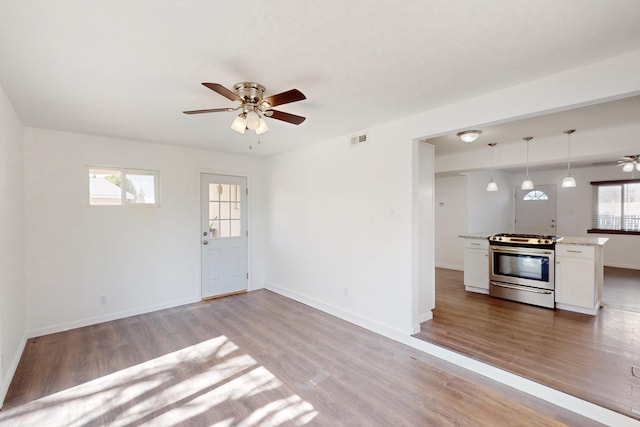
x=102 y=300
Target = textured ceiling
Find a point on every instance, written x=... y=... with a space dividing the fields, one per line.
x=128 y=68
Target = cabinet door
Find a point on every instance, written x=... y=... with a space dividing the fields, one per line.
x=575 y=280
x=476 y=268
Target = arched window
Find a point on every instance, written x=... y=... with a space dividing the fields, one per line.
x=536 y=195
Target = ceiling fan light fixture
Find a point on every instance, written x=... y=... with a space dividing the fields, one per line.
x=628 y=167
x=239 y=124
x=253 y=120
x=262 y=128
x=469 y=136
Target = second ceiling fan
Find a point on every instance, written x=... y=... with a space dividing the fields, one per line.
x=254 y=105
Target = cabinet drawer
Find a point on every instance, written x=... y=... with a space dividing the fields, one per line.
x=476 y=244
x=575 y=251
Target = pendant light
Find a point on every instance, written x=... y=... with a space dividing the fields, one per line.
x=568 y=181
x=527 y=184
x=493 y=185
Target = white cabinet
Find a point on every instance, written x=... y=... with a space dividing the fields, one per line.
x=476 y=265
x=578 y=278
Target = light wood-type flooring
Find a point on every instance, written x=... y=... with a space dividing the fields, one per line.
x=257 y=359
x=594 y=358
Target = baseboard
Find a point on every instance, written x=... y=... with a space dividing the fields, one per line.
x=341 y=313
x=107 y=317
x=450 y=266
x=628 y=267
x=11 y=371
x=423 y=317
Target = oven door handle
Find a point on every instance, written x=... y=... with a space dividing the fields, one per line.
x=520 y=251
x=522 y=288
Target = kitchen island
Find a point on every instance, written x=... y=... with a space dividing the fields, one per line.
x=578 y=270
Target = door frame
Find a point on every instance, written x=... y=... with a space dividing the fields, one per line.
x=237 y=174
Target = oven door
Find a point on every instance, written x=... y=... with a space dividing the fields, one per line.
x=522 y=266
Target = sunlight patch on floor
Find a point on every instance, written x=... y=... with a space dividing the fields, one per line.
x=162 y=392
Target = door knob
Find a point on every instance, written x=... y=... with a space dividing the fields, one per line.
x=206 y=242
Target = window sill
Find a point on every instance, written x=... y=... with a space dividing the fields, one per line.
x=599 y=231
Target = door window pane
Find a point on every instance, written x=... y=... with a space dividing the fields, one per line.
x=224 y=210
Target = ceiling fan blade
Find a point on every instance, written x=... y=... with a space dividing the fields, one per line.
x=223 y=91
x=210 y=110
x=285 y=117
x=292 y=95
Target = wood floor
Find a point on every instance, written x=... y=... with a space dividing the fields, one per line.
x=249 y=360
x=594 y=358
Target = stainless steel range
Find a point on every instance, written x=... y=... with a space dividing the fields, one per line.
x=521 y=268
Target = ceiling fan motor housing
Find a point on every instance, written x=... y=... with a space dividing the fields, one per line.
x=250 y=92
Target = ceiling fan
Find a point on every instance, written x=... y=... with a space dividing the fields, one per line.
x=628 y=163
x=254 y=105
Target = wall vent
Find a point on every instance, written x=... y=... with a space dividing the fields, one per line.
x=360 y=138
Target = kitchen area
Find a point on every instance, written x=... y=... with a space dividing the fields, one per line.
x=549 y=271
x=525 y=278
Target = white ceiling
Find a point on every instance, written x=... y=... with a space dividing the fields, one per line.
x=129 y=68
x=620 y=112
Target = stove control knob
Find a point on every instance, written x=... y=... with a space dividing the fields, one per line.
x=539 y=241
x=547 y=241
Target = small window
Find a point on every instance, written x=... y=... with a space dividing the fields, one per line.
x=116 y=186
x=536 y=195
x=616 y=207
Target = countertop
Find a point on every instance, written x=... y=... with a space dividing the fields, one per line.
x=567 y=240
x=479 y=236
x=585 y=241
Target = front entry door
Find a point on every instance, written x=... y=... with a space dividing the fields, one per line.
x=223 y=235
x=536 y=210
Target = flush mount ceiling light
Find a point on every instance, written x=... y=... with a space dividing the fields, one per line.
x=492 y=185
x=469 y=136
x=568 y=181
x=255 y=106
x=527 y=184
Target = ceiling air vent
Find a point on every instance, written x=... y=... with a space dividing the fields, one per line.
x=360 y=138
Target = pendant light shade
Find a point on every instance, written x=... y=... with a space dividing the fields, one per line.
x=568 y=181
x=493 y=185
x=527 y=184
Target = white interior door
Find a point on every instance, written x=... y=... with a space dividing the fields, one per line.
x=224 y=235
x=536 y=210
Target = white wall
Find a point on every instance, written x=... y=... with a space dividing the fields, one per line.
x=450 y=220
x=12 y=292
x=140 y=258
x=339 y=221
x=489 y=211
x=424 y=233
x=574 y=210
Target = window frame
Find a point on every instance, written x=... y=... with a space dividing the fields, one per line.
x=124 y=172
x=595 y=204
